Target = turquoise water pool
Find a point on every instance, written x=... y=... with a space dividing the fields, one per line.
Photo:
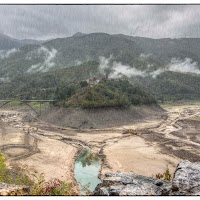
x=86 y=170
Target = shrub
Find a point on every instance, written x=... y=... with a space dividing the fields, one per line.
x=56 y=187
x=166 y=175
x=21 y=176
x=2 y=167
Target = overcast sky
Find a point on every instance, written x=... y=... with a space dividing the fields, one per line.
x=51 y=21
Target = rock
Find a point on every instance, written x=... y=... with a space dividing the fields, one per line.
x=116 y=189
x=104 y=191
x=116 y=181
x=158 y=182
x=130 y=184
x=96 y=191
x=13 y=190
x=186 y=179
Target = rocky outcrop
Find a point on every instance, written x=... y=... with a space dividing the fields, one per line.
x=186 y=181
x=130 y=184
x=13 y=190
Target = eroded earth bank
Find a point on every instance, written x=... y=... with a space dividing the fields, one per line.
x=145 y=147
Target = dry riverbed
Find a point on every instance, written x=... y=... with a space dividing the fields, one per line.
x=23 y=145
x=158 y=144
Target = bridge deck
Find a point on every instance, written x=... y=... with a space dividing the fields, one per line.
x=26 y=102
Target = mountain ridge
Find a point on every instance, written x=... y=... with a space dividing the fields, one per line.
x=7 y=42
x=168 y=68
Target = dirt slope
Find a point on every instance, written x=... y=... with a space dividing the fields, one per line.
x=99 y=118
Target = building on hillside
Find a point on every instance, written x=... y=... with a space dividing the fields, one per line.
x=95 y=80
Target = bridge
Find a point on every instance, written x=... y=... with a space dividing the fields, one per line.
x=26 y=102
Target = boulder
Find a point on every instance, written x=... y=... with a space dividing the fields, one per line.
x=13 y=190
x=130 y=184
x=186 y=179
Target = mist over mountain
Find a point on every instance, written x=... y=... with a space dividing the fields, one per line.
x=140 y=53
x=141 y=60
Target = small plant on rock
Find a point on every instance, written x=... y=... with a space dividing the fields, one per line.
x=166 y=175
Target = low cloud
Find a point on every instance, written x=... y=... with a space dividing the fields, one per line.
x=4 y=79
x=156 y=72
x=6 y=54
x=117 y=69
x=47 y=55
x=144 y=56
x=77 y=62
x=183 y=66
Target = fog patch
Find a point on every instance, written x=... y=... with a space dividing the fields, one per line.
x=105 y=63
x=177 y=65
x=78 y=62
x=115 y=69
x=4 y=79
x=8 y=53
x=119 y=70
x=144 y=56
x=156 y=72
x=47 y=55
x=183 y=66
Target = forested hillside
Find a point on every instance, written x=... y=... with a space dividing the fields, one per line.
x=107 y=93
x=7 y=43
x=166 y=68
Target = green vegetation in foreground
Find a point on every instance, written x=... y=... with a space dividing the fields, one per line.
x=109 y=93
x=14 y=176
x=36 y=181
x=165 y=176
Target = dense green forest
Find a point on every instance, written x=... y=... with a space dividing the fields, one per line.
x=166 y=86
x=107 y=93
x=36 y=71
x=66 y=52
x=43 y=85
